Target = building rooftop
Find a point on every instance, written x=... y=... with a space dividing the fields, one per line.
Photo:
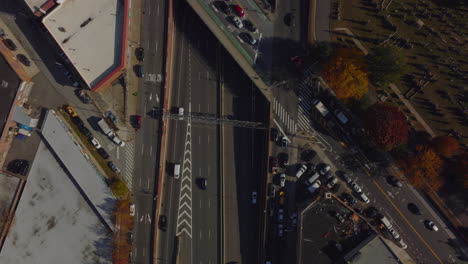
x=91 y=34
x=53 y=222
x=371 y=250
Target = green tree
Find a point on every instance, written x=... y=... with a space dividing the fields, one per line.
x=119 y=188
x=386 y=64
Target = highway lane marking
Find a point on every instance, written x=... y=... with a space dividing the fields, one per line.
x=209 y=203
x=148 y=183
x=156 y=45
x=150 y=97
x=151 y=150
x=404 y=218
x=149 y=218
x=209 y=233
x=199 y=142
x=208 y=139
x=158 y=10
x=199 y=75
x=208 y=108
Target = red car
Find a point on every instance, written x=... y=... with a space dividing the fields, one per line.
x=239 y=11
x=137 y=122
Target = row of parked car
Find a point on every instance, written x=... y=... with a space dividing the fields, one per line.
x=239 y=20
x=85 y=131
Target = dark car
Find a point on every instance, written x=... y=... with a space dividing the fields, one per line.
x=23 y=59
x=137 y=121
x=10 y=44
x=248 y=38
x=113 y=167
x=77 y=120
x=250 y=26
x=414 y=209
x=394 y=181
x=84 y=97
x=349 y=199
x=18 y=166
x=111 y=116
x=162 y=222
x=85 y=131
x=103 y=153
x=274 y=133
x=290 y=19
x=225 y=8
x=203 y=183
x=283 y=159
x=139 y=71
x=371 y=212
x=140 y=54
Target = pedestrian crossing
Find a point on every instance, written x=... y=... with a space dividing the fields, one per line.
x=129 y=163
x=284 y=117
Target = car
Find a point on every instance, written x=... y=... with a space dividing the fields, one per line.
x=339 y=217
x=402 y=244
x=117 y=141
x=111 y=116
x=331 y=183
x=113 y=167
x=9 y=44
x=414 y=209
x=140 y=53
x=23 y=59
x=254 y=197
x=203 y=183
x=239 y=11
x=181 y=113
x=132 y=209
x=85 y=131
x=324 y=169
x=84 y=97
x=301 y=171
x=225 y=8
x=248 y=38
x=364 y=197
x=284 y=142
x=95 y=143
x=74 y=82
x=280 y=230
x=394 y=234
x=394 y=181
x=282 y=179
x=431 y=225
x=137 y=122
x=77 y=121
x=103 y=153
x=294 y=219
x=140 y=72
x=237 y=22
x=371 y=212
x=356 y=187
x=274 y=163
x=281 y=198
x=274 y=134
x=346 y=177
x=271 y=190
x=283 y=159
x=280 y=216
x=349 y=199
x=250 y=26
x=162 y=224
x=328 y=176
x=70 y=110
x=290 y=19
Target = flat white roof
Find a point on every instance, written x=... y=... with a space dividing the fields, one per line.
x=90 y=34
x=53 y=222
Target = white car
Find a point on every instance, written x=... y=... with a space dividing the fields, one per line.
x=95 y=143
x=132 y=209
x=282 y=179
x=254 y=197
x=324 y=169
x=118 y=141
x=356 y=187
x=394 y=234
x=237 y=22
x=432 y=226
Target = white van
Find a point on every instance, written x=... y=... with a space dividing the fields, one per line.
x=176 y=170
x=301 y=171
x=312 y=179
x=364 y=197
x=385 y=221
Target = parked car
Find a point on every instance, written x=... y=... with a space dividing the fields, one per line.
x=394 y=181
x=346 y=177
x=431 y=225
x=274 y=162
x=95 y=143
x=356 y=187
x=280 y=230
x=394 y=234
x=414 y=209
x=140 y=53
x=324 y=169
x=70 y=111
x=113 y=167
x=10 y=44
x=225 y=8
x=274 y=133
x=290 y=19
x=85 y=131
x=254 y=197
x=103 y=153
x=280 y=215
x=282 y=179
x=339 y=217
x=364 y=197
x=248 y=38
x=281 y=198
x=132 y=209
x=137 y=122
x=271 y=190
x=77 y=121
x=371 y=212
x=23 y=59
x=349 y=199
x=283 y=159
x=84 y=97
x=284 y=142
x=111 y=116
x=250 y=26
x=140 y=73
x=239 y=11
x=237 y=22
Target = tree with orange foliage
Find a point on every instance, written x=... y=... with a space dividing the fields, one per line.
x=424 y=168
x=445 y=146
x=345 y=74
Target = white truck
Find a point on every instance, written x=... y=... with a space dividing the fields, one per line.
x=105 y=128
x=386 y=223
x=312 y=179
